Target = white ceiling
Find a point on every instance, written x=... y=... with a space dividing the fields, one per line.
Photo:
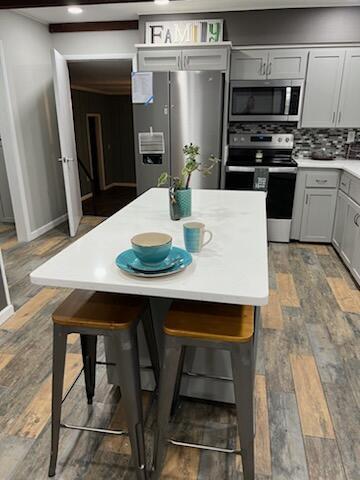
x=131 y=11
x=110 y=77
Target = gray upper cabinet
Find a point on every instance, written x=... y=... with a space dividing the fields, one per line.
x=287 y=64
x=318 y=215
x=205 y=59
x=159 y=60
x=276 y=64
x=249 y=64
x=322 y=90
x=349 y=105
x=164 y=59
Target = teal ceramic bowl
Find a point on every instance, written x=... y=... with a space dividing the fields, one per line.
x=151 y=248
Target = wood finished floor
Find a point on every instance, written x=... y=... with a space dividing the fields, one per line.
x=307 y=383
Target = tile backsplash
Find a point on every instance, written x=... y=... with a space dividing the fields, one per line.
x=306 y=139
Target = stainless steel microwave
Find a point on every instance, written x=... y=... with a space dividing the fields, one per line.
x=265 y=100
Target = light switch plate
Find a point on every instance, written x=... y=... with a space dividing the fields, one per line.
x=351 y=136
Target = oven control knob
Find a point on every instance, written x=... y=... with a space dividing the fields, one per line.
x=287 y=139
x=280 y=139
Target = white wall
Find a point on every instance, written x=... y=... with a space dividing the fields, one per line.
x=26 y=56
x=92 y=43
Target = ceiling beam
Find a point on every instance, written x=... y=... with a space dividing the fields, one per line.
x=6 y=4
x=93 y=26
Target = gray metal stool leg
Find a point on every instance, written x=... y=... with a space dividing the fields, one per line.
x=176 y=399
x=168 y=376
x=88 y=347
x=149 y=332
x=128 y=360
x=59 y=353
x=242 y=360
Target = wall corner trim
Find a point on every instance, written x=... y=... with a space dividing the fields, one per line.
x=6 y=313
x=47 y=227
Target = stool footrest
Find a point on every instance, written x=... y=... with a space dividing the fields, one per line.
x=93 y=429
x=205 y=447
x=205 y=375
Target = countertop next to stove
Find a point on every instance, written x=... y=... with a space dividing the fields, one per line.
x=349 y=166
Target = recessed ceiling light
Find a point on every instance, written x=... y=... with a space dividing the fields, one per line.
x=75 y=10
x=161 y=2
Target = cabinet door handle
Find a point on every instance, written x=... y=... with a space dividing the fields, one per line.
x=339 y=119
x=321 y=181
x=356 y=219
x=307 y=199
x=269 y=68
x=264 y=68
x=333 y=117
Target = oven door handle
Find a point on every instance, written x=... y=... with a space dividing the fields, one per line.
x=271 y=169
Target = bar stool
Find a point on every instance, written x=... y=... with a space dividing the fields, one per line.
x=209 y=325
x=116 y=316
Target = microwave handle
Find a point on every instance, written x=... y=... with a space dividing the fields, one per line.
x=287 y=100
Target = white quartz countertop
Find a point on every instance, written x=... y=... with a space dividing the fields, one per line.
x=349 y=166
x=233 y=268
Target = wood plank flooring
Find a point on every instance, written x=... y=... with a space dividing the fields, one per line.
x=307 y=382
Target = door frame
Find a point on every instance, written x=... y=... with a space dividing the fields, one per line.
x=109 y=56
x=100 y=148
x=14 y=168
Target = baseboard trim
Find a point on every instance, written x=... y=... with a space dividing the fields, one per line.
x=120 y=184
x=87 y=196
x=6 y=313
x=49 y=226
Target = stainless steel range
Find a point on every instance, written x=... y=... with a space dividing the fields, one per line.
x=264 y=162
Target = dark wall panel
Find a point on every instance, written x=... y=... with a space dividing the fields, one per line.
x=282 y=26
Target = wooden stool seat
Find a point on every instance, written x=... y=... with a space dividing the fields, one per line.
x=108 y=311
x=210 y=321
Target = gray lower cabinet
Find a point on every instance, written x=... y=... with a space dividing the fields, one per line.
x=346 y=234
x=355 y=261
x=350 y=240
x=318 y=215
x=338 y=233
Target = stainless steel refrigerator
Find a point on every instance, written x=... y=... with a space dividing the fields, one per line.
x=187 y=108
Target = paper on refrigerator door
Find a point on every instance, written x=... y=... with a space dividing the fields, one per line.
x=142 y=87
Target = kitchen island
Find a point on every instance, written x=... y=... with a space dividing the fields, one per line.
x=233 y=268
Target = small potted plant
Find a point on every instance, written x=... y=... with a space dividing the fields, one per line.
x=180 y=191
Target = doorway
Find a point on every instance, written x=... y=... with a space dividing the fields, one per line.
x=96 y=151
x=103 y=123
x=7 y=222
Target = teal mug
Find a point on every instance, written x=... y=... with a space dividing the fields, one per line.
x=194 y=236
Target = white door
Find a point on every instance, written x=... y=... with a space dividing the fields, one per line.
x=67 y=140
x=322 y=90
x=349 y=107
